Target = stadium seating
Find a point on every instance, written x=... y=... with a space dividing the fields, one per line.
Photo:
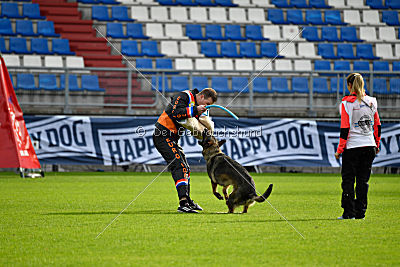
x=24 y=28
x=391 y=17
x=276 y=16
x=179 y=83
x=269 y=50
x=342 y=65
x=260 y=85
x=249 y=50
x=26 y=81
x=135 y=31
x=253 y=32
x=6 y=28
x=240 y=84
x=329 y=34
x=345 y=51
x=311 y=34
x=220 y=84
x=200 y=82
x=10 y=10
x=365 y=51
x=72 y=83
x=194 y=32
x=130 y=48
x=91 y=83
x=232 y=32
x=300 y=85
x=61 y=47
x=164 y=63
x=46 y=29
x=380 y=86
x=209 y=49
x=120 y=13
x=326 y=51
x=115 y=30
x=349 y=34
x=320 y=85
x=314 y=17
x=279 y=85
x=214 y=32
x=360 y=66
x=31 y=11
x=295 y=16
x=144 y=63
x=48 y=82
x=202 y=64
x=229 y=49
x=40 y=46
x=3 y=48
x=394 y=86
x=18 y=46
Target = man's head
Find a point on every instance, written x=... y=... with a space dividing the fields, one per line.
x=207 y=96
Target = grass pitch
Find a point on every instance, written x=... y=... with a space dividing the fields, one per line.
x=55 y=221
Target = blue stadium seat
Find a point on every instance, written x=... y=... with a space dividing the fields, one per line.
x=120 y=13
x=395 y=86
x=300 y=85
x=314 y=17
x=10 y=10
x=249 y=50
x=26 y=81
x=349 y=34
x=205 y=2
x=329 y=34
x=61 y=47
x=179 y=83
x=135 y=30
x=394 y=4
x=167 y=2
x=318 y=4
x=391 y=17
x=100 y=13
x=157 y=83
x=322 y=65
x=72 y=83
x=396 y=66
x=88 y=2
x=320 y=85
x=260 y=85
x=109 y=2
x=200 y=82
x=185 y=3
x=360 y=66
x=326 y=51
x=24 y=28
x=193 y=31
x=46 y=28
x=345 y=51
x=311 y=34
x=229 y=49
x=253 y=32
x=130 y=48
x=214 y=32
x=381 y=66
x=18 y=46
x=334 y=85
x=365 y=51
x=342 y=65
x=227 y=3
x=279 y=85
x=209 y=49
x=220 y=84
x=333 y=17
x=91 y=83
x=115 y=30
x=376 y=4
x=40 y=46
x=269 y=50
x=295 y=16
x=233 y=32
x=3 y=48
x=31 y=11
x=276 y=16
x=299 y=3
x=144 y=63
x=150 y=48
x=240 y=84
x=48 y=82
x=380 y=86
x=164 y=63
x=280 y=3
x=6 y=28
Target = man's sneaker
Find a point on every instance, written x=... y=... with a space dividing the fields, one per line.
x=186 y=208
x=193 y=205
x=360 y=217
x=345 y=217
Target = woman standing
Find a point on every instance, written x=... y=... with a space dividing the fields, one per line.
x=360 y=134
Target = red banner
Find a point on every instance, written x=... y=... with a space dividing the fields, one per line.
x=16 y=150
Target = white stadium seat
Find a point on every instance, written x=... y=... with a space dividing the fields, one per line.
x=183 y=64
x=155 y=30
x=190 y=48
x=283 y=64
x=140 y=13
x=203 y=64
x=174 y=31
x=272 y=32
x=170 y=48
x=223 y=64
x=368 y=34
x=218 y=14
x=244 y=64
x=384 y=51
x=198 y=14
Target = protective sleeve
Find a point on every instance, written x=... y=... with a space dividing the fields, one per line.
x=180 y=109
x=377 y=129
x=344 y=130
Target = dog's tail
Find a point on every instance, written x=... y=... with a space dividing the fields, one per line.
x=264 y=196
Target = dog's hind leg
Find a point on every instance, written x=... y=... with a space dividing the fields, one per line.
x=225 y=191
x=245 y=208
x=232 y=199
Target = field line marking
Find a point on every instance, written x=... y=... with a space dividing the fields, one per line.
x=270 y=61
x=130 y=63
x=280 y=214
x=133 y=200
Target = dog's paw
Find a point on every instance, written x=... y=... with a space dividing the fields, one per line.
x=218 y=195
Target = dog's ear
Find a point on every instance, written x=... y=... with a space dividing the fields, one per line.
x=221 y=143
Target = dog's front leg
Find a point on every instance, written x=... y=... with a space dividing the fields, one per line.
x=214 y=190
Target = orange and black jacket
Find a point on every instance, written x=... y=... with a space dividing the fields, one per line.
x=179 y=109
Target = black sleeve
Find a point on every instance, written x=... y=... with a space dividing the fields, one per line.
x=180 y=109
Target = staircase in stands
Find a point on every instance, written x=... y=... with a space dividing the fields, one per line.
x=83 y=41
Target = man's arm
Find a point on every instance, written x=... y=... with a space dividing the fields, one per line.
x=180 y=109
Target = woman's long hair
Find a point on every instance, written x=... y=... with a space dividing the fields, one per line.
x=357 y=85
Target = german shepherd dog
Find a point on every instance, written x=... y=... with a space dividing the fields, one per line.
x=224 y=171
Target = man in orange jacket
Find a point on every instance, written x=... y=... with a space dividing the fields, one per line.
x=184 y=105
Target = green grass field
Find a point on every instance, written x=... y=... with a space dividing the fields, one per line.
x=55 y=221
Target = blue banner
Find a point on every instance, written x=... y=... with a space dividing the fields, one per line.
x=127 y=140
